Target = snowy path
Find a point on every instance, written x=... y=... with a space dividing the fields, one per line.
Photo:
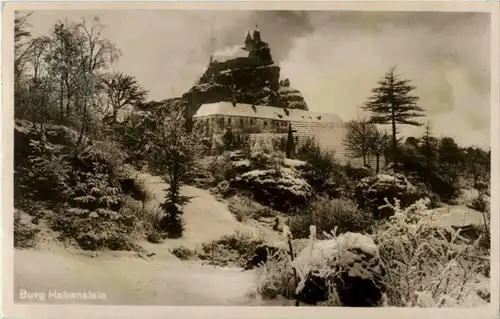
x=206 y=218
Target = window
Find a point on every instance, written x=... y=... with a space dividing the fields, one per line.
x=221 y=123
x=229 y=121
x=251 y=121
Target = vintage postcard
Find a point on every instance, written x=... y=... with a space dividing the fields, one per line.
x=250 y=159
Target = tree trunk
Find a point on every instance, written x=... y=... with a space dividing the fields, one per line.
x=115 y=116
x=394 y=140
x=378 y=163
x=61 y=101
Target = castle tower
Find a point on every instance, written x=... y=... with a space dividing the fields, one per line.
x=256 y=34
x=248 y=42
x=212 y=44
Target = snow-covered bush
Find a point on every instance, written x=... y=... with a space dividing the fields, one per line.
x=234 y=248
x=425 y=265
x=222 y=169
x=326 y=214
x=342 y=270
x=371 y=193
x=282 y=189
x=245 y=208
x=276 y=277
x=25 y=234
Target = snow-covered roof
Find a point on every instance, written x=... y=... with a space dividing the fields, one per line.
x=229 y=53
x=265 y=112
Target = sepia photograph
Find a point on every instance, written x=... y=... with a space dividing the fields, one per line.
x=252 y=157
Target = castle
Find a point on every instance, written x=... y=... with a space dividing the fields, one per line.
x=241 y=91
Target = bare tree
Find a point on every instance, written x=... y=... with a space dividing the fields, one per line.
x=23 y=45
x=98 y=54
x=121 y=90
x=358 y=138
x=378 y=145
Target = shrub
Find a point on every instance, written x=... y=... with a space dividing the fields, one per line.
x=342 y=270
x=235 y=248
x=148 y=219
x=327 y=215
x=136 y=188
x=222 y=169
x=276 y=277
x=93 y=216
x=283 y=190
x=96 y=229
x=322 y=168
x=242 y=141
x=445 y=183
x=45 y=173
x=182 y=253
x=479 y=204
x=260 y=161
x=425 y=268
x=25 y=235
x=371 y=193
x=244 y=208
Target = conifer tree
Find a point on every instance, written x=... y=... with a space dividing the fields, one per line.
x=290 y=142
x=392 y=103
x=428 y=148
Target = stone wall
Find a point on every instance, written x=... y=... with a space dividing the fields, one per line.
x=330 y=136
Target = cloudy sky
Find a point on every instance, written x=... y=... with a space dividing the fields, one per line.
x=333 y=58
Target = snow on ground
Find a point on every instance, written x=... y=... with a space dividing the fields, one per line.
x=206 y=218
x=163 y=280
x=132 y=281
x=456 y=215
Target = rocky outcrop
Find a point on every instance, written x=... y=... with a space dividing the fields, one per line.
x=290 y=97
x=250 y=79
x=350 y=264
x=371 y=193
x=244 y=83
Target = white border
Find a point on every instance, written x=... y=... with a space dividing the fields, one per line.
x=12 y=310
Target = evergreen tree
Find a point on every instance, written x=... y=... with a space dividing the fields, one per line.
x=428 y=148
x=290 y=143
x=391 y=103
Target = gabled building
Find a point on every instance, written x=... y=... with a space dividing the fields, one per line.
x=327 y=129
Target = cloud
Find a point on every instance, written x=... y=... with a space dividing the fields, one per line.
x=333 y=58
x=446 y=56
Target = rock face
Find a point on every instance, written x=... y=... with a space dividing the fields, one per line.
x=350 y=263
x=371 y=191
x=250 y=77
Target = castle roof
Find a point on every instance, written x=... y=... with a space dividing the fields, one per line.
x=265 y=112
x=248 y=37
